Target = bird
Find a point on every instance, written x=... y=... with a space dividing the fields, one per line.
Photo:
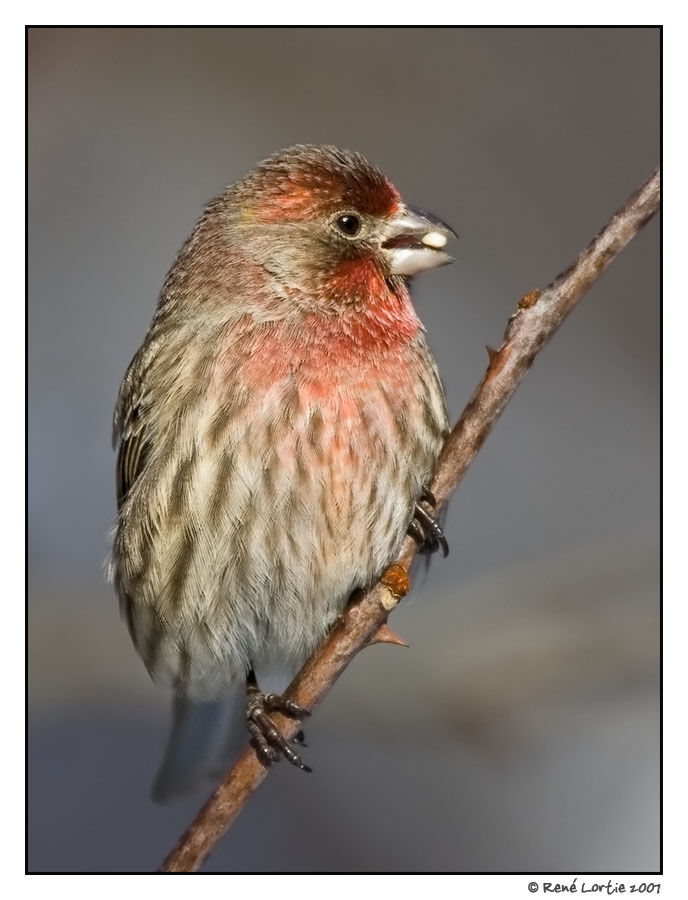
x=277 y=431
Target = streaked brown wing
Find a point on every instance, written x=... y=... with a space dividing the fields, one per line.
x=131 y=458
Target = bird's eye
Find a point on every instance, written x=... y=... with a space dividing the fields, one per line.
x=349 y=224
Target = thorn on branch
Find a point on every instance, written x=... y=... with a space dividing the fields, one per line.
x=497 y=359
x=385 y=635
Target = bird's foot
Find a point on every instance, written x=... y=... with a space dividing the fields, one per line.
x=266 y=739
x=424 y=527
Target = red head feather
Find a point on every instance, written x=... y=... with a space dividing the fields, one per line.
x=306 y=181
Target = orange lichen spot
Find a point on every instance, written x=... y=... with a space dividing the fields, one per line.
x=529 y=299
x=396 y=579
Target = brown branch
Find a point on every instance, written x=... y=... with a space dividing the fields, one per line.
x=538 y=316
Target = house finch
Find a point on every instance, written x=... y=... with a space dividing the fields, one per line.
x=277 y=429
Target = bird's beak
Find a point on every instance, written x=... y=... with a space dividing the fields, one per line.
x=415 y=241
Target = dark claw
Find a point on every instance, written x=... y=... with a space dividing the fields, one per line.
x=265 y=753
x=416 y=532
x=299 y=738
x=428 y=496
x=425 y=529
x=276 y=703
x=267 y=740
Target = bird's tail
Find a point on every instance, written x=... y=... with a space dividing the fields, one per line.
x=204 y=737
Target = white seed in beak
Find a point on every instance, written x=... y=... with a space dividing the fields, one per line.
x=434 y=239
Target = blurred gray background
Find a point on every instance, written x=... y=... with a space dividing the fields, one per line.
x=520 y=731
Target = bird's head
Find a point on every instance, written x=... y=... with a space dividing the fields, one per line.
x=325 y=221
